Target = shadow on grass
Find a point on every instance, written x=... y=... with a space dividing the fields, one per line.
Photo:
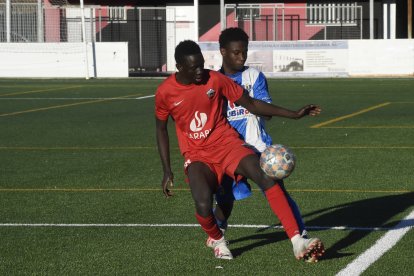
x=260 y=239
x=368 y=213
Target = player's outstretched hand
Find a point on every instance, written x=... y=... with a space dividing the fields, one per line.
x=310 y=109
x=167 y=182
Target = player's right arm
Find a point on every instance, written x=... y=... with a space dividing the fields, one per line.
x=163 y=143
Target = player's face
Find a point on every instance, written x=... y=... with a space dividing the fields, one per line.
x=234 y=56
x=192 y=69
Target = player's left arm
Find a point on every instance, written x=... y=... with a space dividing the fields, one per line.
x=234 y=93
x=266 y=109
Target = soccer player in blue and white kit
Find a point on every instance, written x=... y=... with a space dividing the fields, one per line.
x=233 y=48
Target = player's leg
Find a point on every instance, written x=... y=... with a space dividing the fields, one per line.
x=295 y=209
x=222 y=212
x=224 y=202
x=203 y=183
x=249 y=167
x=308 y=249
x=227 y=192
x=242 y=161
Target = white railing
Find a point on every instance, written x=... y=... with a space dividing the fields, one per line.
x=334 y=14
x=274 y=22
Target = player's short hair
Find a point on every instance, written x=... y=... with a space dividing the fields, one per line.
x=232 y=34
x=186 y=48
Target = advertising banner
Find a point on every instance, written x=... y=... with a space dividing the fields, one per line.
x=289 y=58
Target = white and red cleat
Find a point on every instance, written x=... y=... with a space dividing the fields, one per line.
x=221 y=251
x=310 y=250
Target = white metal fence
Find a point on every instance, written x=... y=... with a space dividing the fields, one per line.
x=28 y=22
x=277 y=22
x=152 y=33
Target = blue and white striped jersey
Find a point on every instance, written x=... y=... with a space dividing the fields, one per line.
x=250 y=126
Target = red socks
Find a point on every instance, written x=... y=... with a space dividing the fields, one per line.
x=281 y=208
x=279 y=205
x=209 y=226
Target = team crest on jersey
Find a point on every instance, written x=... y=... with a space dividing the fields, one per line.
x=210 y=93
x=247 y=87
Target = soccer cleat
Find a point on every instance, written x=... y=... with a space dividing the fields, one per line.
x=209 y=241
x=221 y=251
x=310 y=250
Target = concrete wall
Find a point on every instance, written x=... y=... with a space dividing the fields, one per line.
x=381 y=57
x=63 y=60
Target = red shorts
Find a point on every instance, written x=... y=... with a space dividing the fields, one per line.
x=223 y=158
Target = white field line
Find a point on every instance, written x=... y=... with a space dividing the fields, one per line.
x=75 y=99
x=382 y=245
x=166 y=225
x=144 y=97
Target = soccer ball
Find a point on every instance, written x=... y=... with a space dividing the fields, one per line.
x=277 y=161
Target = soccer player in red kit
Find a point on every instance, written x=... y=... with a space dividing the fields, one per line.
x=194 y=98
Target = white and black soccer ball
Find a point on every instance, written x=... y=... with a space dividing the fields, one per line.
x=277 y=161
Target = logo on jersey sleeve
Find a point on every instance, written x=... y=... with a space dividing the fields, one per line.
x=197 y=124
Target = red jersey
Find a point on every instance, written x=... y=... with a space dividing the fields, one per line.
x=197 y=110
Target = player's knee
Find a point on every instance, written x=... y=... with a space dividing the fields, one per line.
x=266 y=182
x=203 y=208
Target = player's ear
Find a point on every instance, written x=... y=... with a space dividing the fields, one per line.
x=223 y=51
x=179 y=67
